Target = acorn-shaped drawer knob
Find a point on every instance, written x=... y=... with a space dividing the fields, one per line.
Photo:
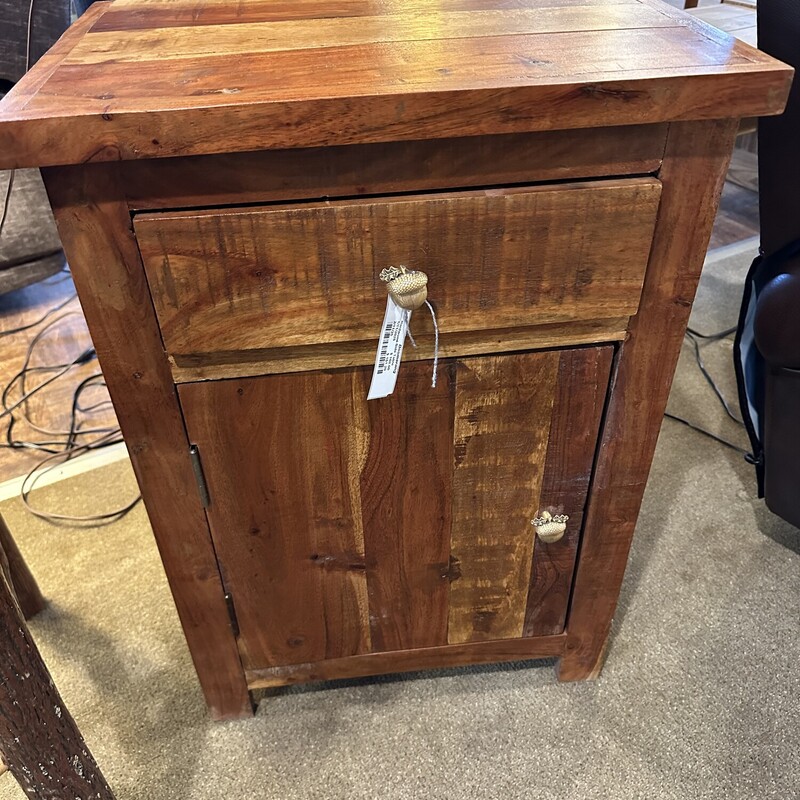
x=408 y=288
x=550 y=528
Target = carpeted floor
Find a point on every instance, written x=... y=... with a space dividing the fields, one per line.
x=699 y=698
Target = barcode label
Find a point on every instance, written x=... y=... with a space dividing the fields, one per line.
x=390 y=350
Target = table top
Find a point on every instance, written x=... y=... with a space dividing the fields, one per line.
x=150 y=78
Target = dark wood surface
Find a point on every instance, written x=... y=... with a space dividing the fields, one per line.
x=39 y=741
x=286 y=521
x=95 y=228
x=694 y=168
x=424 y=658
x=406 y=501
x=20 y=578
x=249 y=279
x=136 y=81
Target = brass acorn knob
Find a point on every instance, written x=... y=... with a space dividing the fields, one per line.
x=550 y=528
x=408 y=288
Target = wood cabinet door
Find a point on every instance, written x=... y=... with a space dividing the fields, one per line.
x=345 y=527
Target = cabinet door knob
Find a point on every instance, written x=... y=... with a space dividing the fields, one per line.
x=408 y=287
x=550 y=528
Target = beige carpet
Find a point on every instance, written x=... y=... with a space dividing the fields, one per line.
x=699 y=698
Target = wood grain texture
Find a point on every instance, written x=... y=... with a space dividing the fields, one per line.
x=147 y=15
x=391 y=167
x=320 y=500
x=39 y=741
x=581 y=392
x=406 y=495
x=693 y=172
x=503 y=410
x=454 y=655
x=278 y=455
x=20 y=578
x=238 y=364
x=177 y=84
x=309 y=274
x=426 y=25
x=95 y=228
x=345 y=527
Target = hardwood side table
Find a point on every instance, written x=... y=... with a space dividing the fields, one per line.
x=229 y=181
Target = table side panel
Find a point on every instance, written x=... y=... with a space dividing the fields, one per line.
x=95 y=227
x=693 y=173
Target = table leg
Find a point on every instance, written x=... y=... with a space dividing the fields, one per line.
x=39 y=741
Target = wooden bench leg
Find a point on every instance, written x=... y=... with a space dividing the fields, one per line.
x=39 y=741
x=22 y=581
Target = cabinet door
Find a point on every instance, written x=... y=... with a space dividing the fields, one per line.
x=345 y=527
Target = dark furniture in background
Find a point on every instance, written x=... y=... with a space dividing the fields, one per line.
x=777 y=323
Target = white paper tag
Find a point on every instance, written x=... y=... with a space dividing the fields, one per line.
x=390 y=350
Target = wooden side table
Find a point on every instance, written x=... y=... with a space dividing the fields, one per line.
x=230 y=179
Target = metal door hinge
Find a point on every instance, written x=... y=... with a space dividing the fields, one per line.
x=197 y=468
x=232 y=613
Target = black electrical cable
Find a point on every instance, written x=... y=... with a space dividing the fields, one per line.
x=712 y=337
x=21 y=375
x=9 y=409
x=29 y=482
x=64 y=446
x=710 y=380
x=693 y=335
x=706 y=433
x=29 y=36
x=82 y=358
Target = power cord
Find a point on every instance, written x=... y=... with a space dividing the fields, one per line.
x=40 y=320
x=694 y=336
x=64 y=444
x=61 y=445
x=706 y=433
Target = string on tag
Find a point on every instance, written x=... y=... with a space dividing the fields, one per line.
x=410 y=337
x=435 y=344
x=409 y=290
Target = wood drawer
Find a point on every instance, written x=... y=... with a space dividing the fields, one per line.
x=344 y=527
x=243 y=284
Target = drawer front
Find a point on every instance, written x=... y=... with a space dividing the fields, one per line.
x=256 y=279
x=344 y=527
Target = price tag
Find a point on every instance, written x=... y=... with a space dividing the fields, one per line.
x=390 y=350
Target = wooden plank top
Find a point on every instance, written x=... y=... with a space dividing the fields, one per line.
x=149 y=78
